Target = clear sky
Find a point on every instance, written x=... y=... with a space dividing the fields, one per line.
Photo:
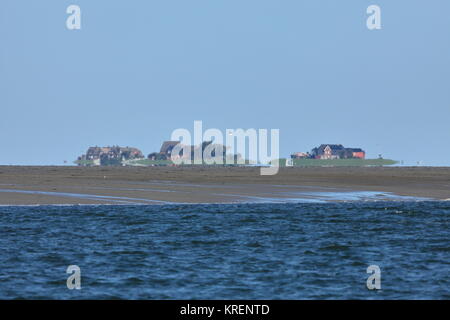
x=139 y=69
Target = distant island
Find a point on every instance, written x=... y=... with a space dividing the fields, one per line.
x=324 y=155
x=334 y=155
x=128 y=156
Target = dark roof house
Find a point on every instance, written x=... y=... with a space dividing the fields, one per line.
x=168 y=146
x=336 y=151
x=328 y=151
x=106 y=154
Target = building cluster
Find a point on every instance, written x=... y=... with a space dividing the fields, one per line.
x=165 y=152
x=189 y=152
x=114 y=155
x=331 y=151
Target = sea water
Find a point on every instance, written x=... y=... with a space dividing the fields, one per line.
x=229 y=251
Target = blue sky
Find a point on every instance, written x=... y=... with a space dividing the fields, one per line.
x=137 y=70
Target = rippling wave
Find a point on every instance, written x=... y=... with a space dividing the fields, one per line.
x=229 y=251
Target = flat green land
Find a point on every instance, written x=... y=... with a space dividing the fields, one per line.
x=148 y=162
x=339 y=162
x=84 y=162
x=296 y=162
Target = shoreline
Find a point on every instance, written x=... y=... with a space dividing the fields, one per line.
x=70 y=185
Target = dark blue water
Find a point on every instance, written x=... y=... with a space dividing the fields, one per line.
x=251 y=251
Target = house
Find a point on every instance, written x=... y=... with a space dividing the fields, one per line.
x=190 y=153
x=300 y=155
x=328 y=151
x=127 y=153
x=94 y=153
x=335 y=151
x=110 y=155
x=167 y=147
x=357 y=153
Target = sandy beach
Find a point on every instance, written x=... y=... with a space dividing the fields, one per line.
x=27 y=185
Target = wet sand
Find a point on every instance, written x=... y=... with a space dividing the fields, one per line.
x=22 y=185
